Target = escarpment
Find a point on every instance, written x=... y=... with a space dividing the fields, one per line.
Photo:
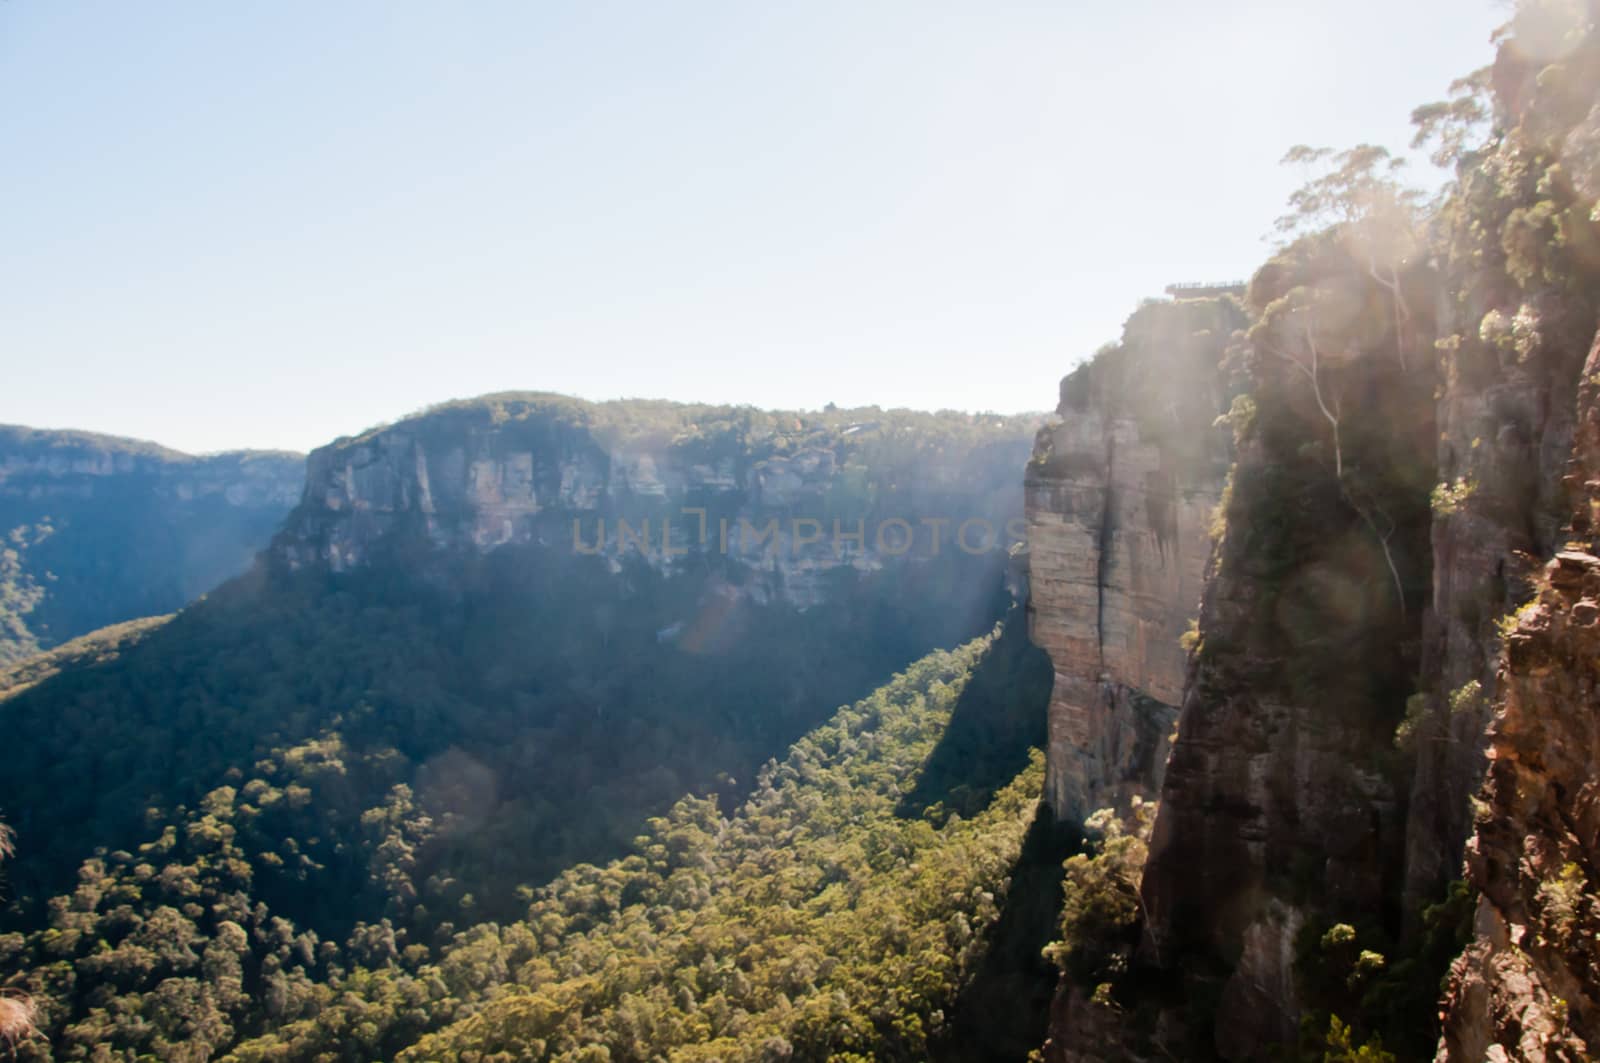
x=1528 y=987
x=1279 y=807
x=96 y=530
x=1414 y=461
x=1516 y=321
x=1120 y=497
x=523 y=609
x=776 y=502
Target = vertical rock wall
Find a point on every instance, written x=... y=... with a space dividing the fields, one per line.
x=1120 y=496
x=1529 y=985
x=1401 y=481
x=1280 y=805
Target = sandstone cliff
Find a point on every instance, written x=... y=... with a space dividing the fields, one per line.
x=1515 y=322
x=1529 y=985
x=1278 y=807
x=1120 y=496
x=1401 y=474
x=95 y=530
x=1521 y=446
x=775 y=502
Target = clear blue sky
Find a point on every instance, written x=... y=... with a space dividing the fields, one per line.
x=269 y=224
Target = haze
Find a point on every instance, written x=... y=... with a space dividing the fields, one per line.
x=222 y=229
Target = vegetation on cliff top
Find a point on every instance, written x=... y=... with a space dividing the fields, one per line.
x=887 y=443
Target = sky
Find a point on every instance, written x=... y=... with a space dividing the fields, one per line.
x=271 y=224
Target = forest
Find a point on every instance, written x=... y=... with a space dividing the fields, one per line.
x=836 y=911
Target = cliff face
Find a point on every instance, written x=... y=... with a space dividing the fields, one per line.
x=42 y=464
x=1120 y=496
x=1401 y=475
x=1516 y=321
x=96 y=530
x=1278 y=807
x=776 y=502
x=1525 y=437
x=1529 y=985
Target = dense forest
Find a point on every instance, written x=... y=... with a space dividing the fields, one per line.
x=840 y=908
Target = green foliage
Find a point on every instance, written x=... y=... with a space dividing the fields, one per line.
x=1467 y=698
x=1449 y=498
x=1101 y=915
x=1190 y=641
x=339 y=889
x=1218 y=529
x=1507 y=624
x=1405 y=735
x=20 y=594
x=1354 y=188
x=1339 y=1046
x=1453 y=127
x=1241 y=416
x=1362 y=991
x=814 y=922
x=1528 y=237
x=1566 y=905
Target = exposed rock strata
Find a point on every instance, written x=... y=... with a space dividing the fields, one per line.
x=1120 y=496
x=96 y=530
x=780 y=501
x=1277 y=807
x=1529 y=985
x=39 y=464
x=1515 y=329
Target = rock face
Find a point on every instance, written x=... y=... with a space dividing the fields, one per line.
x=1319 y=794
x=1528 y=456
x=1120 y=497
x=42 y=464
x=1278 y=809
x=1516 y=330
x=96 y=530
x=1529 y=985
x=780 y=499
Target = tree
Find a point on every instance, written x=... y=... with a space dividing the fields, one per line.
x=1359 y=196
x=1449 y=127
x=1102 y=905
x=1290 y=331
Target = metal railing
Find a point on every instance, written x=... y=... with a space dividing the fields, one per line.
x=1206 y=286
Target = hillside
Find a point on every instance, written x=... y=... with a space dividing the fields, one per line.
x=97 y=530
x=843 y=907
x=396 y=719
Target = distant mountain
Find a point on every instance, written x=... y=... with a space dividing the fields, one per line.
x=95 y=530
x=492 y=642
